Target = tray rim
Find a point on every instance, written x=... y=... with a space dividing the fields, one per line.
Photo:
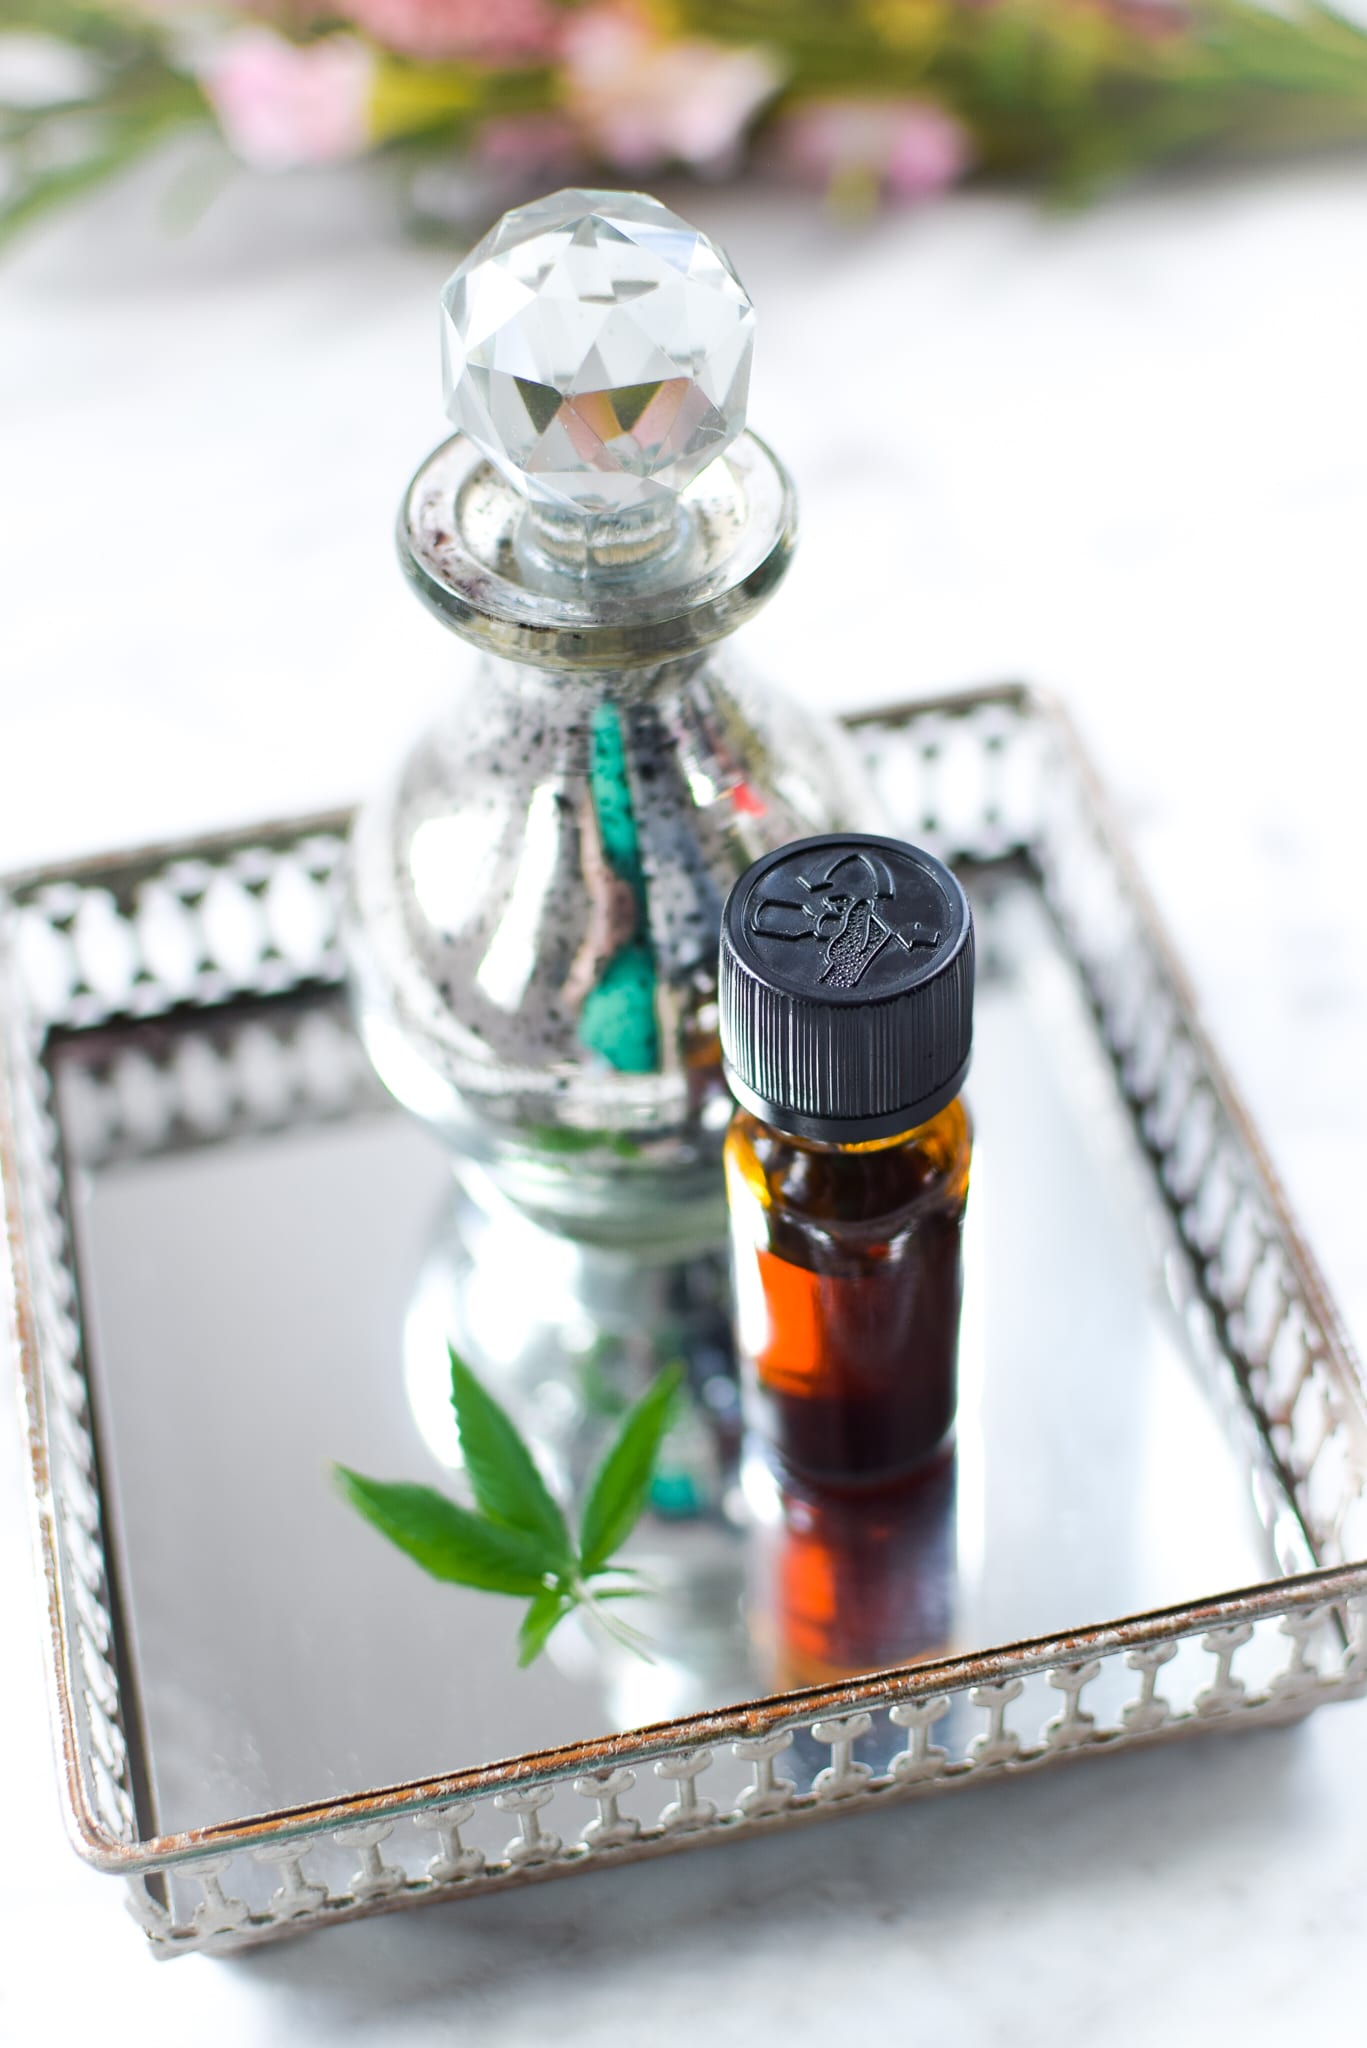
x=1325 y=1586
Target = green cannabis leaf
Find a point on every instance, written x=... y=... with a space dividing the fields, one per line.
x=446 y=1540
x=502 y=1471
x=516 y=1539
x=617 y=1492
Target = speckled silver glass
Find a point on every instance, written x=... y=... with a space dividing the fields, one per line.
x=535 y=897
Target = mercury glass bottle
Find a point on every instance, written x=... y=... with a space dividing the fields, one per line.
x=846 y=1023
x=535 y=896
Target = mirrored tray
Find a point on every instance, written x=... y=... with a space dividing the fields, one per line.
x=233 y=1261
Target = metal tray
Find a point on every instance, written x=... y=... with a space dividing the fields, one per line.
x=227 y=1251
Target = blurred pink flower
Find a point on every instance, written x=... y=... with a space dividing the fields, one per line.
x=910 y=148
x=527 y=143
x=1156 y=20
x=281 y=104
x=641 y=101
x=497 y=31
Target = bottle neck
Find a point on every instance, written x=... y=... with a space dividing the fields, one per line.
x=914 y=1134
x=459 y=534
x=593 y=685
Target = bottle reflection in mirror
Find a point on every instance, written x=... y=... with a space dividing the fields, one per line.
x=848 y=1583
x=571 y=1335
x=575 y=1333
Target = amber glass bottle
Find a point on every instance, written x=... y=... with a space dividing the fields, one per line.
x=846 y=1020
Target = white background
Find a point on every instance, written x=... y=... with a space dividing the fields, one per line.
x=1123 y=454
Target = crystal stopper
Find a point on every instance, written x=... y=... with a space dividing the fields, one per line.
x=597 y=349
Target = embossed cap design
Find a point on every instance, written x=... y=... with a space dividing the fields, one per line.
x=847 y=987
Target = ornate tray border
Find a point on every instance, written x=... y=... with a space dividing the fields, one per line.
x=999 y=773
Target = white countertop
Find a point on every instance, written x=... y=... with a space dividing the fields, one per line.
x=1123 y=454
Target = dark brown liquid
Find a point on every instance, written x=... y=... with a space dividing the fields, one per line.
x=858 y=1582
x=859 y=1262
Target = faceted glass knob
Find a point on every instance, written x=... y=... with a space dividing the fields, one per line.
x=597 y=349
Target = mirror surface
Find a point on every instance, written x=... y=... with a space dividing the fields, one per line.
x=267 y=1272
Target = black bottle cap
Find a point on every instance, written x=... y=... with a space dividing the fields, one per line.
x=846 y=987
